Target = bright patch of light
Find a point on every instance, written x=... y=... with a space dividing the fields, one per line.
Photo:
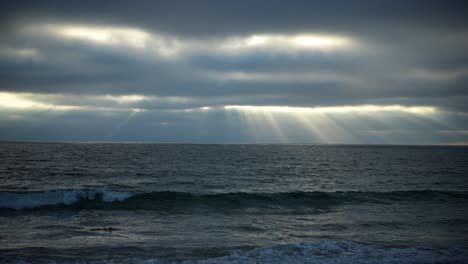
x=136 y=98
x=320 y=41
x=256 y=40
x=10 y=100
x=19 y=101
x=100 y=103
x=173 y=47
x=336 y=109
x=122 y=37
x=133 y=37
x=280 y=41
x=195 y=109
x=126 y=98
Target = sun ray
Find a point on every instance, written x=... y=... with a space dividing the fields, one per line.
x=321 y=124
x=121 y=124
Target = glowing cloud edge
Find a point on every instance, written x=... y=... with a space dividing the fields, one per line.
x=335 y=109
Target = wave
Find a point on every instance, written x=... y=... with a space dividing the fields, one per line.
x=340 y=252
x=167 y=200
x=324 y=252
x=28 y=200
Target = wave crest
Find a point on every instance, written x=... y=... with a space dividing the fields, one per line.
x=28 y=200
x=169 y=200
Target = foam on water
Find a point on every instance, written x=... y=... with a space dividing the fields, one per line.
x=344 y=252
x=325 y=252
x=18 y=201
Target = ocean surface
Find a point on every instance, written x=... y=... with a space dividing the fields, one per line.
x=189 y=203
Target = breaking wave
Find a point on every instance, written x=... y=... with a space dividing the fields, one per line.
x=28 y=200
x=167 y=200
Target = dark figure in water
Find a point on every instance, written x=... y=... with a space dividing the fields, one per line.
x=109 y=229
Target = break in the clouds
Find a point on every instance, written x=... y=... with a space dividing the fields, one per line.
x=235 y=71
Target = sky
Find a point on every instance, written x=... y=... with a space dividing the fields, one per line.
x=256 y=71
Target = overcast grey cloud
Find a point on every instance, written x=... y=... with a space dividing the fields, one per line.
x=391 y=72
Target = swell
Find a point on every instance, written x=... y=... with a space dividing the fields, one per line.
x=169 y=200
x=325 y=252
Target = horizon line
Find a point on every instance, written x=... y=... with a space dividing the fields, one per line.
x=232 y=143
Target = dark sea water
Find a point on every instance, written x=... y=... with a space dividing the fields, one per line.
x=232 y=203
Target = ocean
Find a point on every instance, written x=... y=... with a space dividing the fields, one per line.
x=232 y=203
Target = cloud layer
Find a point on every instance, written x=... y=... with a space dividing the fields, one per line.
x=235 y=71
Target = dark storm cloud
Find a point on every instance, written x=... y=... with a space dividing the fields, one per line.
x=235 y=17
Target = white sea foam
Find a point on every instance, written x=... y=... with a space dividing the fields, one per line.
x=27 y=200
x=326 y=252
x=336 y=252
x=109 y=196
